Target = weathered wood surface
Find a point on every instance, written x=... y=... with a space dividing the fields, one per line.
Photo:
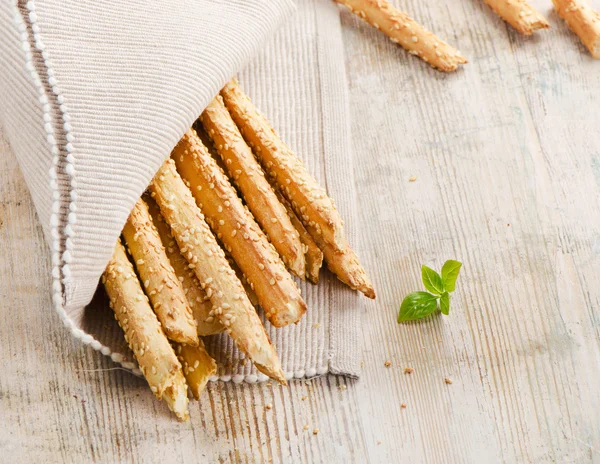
x=507 y=158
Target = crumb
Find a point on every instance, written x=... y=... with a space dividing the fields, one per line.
x=448 y=381
x=379 y=442
x=317 y=325
x=303 y=398
x=306 y=427
x=268 y=406
x=342 y=387
x=403 y=405
x=387 y=364
x=315 y=431
x=408 y=370
x=412 y=179
x=508 y=225
x=362 y=363
x=75 y=396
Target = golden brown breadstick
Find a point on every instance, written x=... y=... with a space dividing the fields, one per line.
x=196 y=297
x=287 y=171
x=199 y=246
x=248 y=176
x=346 y=267
x=583 y=21
x=144 y=334
x=519 y=14
x=312 y=253
x=159 y=279
x=404 y=30
x=198 y=366
x=235 y=227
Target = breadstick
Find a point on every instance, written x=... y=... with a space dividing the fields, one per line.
x=583 y=21
x=196 y=297
x=199 y=246
x=249 y=178
x=346 y=266
x=198 y=366
x=159 y=279
x=287 y=171
x=519 y=14
x=144 y=334
x=312 y=253
x=404 y=30
x=235 y=227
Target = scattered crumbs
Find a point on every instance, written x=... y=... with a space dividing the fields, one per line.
x=317 y=325
x=508 y=225
x=306 y=427
x=403 y=405
x=387 y=364
x=303 y=398
x=448 y=381
x=268 y=405
x=342 y=387
x=75 y=396
x=315 y=431
x=412 y=178
x=379 y=442
x=408 y=370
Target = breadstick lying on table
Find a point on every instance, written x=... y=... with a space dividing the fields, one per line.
x=196 y=297
x=312 y=253
x=406 y=32
x=519 y=14
x=287 y=171
x=198 y=366
x=248 y=176
x=583 y=21
x=207 y=259
x=159 y=279
x=232 y=224
x=144 y=334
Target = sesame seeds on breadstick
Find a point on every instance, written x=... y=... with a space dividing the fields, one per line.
x=248 y=176
x=235 y=227
x=406 y=32
x=519 y=14
x=197 y=243
x=196 y=297
x=583 y=21
x=158 y=277
x=198 y=366
x=144 y=334
x=287 y=171
x=312 y=253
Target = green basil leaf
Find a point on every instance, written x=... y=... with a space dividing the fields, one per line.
x=417 y=305
x=432 y=280
x=450 y=271
x=445 y=303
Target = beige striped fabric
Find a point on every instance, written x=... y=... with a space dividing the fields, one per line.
x=94 y=95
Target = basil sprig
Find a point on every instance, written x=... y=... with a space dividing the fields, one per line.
x=418 y=305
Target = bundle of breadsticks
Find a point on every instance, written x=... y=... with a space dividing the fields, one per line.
x=215 y=235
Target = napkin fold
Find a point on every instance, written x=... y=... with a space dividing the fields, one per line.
x=93 y=97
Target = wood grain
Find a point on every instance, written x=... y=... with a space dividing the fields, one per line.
x=507 y=157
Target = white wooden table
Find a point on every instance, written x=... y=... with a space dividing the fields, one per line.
x=507 y=158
